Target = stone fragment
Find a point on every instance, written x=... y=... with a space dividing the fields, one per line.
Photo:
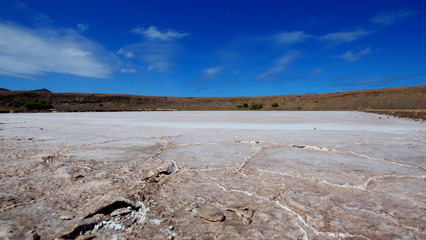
x=67 y=217
x=243 y=212
x=209 y=214
x=86 y=237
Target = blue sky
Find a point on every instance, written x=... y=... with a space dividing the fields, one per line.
x=212 y=48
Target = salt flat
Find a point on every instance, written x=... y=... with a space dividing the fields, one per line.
x=212 y=175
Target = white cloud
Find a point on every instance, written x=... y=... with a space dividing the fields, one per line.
x=157 y=55
x=30 y=52
x=345 y=36
x=279 y=65
x=291 y=37
x=211 y=72
x=156 y=49
x=153 y=33
x=392 y=17
x=159 y=66
x=125 y=53
x=353 y=56
x=150 y=68
x=83 y=27
x=128 y=70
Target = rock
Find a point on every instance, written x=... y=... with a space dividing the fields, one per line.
x=166 y=169
x=244 y=213
x=120 y=211
x=67 y=217
x=78 y=176
x=209 y=214
x=86 y=237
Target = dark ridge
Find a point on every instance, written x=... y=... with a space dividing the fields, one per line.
x=44 y=90
x=4 y=90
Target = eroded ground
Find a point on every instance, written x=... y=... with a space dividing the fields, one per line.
x=212 y=175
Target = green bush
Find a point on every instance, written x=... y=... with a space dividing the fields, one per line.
x=275 y=104
x=239 y=106
x=37 y=106
x=256 y=106
x=245 y=105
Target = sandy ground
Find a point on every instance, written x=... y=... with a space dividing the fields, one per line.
x=212 y=175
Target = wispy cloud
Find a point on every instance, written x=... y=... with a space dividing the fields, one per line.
x=125 y=53
x=386 y=79
x=157 y=49
x=28 y=52
x=351 y=56
x=83 y=27
x=128 y=70
x=211 y=72
x=348 y=36
x=390 y=18
x=153 y=33
x=159 y=66
x=291 y=37
x=316 y=72
x=32 y=16
x=280 y=64
x=157 y=55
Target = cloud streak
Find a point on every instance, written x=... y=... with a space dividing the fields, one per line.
x=125 y=53
x=348 y=36
x=153 y=33
x=354 y=56
x=280 y=64
x=386 y=79
x=128 y=70
x=28 y=53
x=83 y=27
x=211 y=72
x=390 y=18
x=157 y=49
x=291 y=37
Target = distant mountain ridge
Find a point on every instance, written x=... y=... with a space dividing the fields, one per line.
x=390 y=98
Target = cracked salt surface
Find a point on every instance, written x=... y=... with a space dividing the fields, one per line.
x=304 y=175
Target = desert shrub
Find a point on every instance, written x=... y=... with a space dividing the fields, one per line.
x=275 y=104
x=256 y=106
x=245 y=105
x=37 y=106
x=239 y=106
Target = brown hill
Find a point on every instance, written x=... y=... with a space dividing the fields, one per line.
x=391 y=98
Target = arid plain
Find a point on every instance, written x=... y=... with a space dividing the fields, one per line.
x=212 y=175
